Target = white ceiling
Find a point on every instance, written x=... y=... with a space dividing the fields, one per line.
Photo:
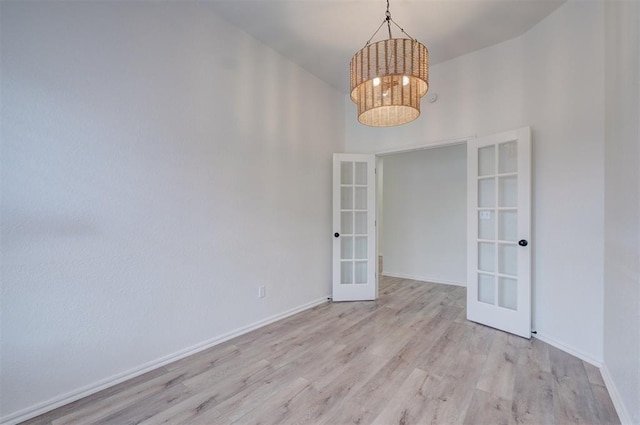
x=322 y=35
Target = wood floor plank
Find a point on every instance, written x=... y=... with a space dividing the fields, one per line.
x=410 y=357
x=278 y=409
x=604 y=408
x=223 y=379
x=209 y=417
x=455 y=349
x=362 y=406
x=329 y=393
x=90 y=400
x=533 y=400
x=185 y=411
x=384 y=332
x=333 y=367
x=573 y=398
x=206 y=359
x=451 y=394
x=106 y=406
x=232 y=401
x=404 y=407
x=145 y=408
x=487 y=408
x=536 y=355
x=498 y=374
x=257 y=394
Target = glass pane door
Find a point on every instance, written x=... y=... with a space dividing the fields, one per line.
x=497 y=224
x=498 y=292
x=353 y=210
x=354 y=224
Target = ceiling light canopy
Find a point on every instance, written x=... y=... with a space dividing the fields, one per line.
x=388 y=78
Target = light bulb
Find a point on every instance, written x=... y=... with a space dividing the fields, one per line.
x=376 y=82
x=405 y=80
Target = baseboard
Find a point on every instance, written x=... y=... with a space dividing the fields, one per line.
x=422 y=278
x=568 y=349
x=44 y=407
x=621 y=410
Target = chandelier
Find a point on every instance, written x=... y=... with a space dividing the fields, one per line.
x=388 y=78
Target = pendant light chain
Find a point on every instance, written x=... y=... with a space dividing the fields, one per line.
x=388 y=20
x=374 y=34
x=403 y=31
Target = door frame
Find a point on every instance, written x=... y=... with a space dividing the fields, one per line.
x=426 y=146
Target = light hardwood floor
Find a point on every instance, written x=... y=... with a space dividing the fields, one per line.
x=408 y=358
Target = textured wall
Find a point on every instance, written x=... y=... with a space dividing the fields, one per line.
x=158 y=165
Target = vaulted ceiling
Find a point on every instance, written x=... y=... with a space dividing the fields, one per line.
x=322 y=35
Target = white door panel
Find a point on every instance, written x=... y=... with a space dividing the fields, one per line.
x=354 y=238
x=498 y=226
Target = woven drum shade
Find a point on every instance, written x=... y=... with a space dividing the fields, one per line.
x=388 y=78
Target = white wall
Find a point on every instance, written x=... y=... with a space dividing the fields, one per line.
x=552 y=79
x=622 y=206
x=564 y=97
x=158 y=165
x=424 y=234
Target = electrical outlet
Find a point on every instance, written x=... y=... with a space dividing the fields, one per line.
x=261 y=292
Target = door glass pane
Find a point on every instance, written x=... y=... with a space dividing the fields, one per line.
x=346 y=247
x=508 y=259
x=486 y=225
x=508 y=225
x=361 y=223
x=346 y=172
x=486 y=193
x=361 y=272
x=508 y=191
x=486 y=256
x=361 y=198
x=346 y=223
x=361 y=247
x=346 y=272
x=486 y=288
x=508 y=157
x=486 y=161
x=361 y=173
x=346 y=198
x=508 y=293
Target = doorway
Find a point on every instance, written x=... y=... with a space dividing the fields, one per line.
x=422 y=214
x=498 y=224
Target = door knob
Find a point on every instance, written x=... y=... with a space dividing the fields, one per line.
x=523 y=242
x=336 y=234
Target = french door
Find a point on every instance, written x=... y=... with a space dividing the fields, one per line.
x=498 y=226
x=354 y=221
